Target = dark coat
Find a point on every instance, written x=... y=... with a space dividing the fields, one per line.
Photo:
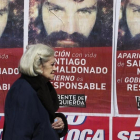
x=25 y=116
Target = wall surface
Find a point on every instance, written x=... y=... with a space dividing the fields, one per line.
x=97 y=56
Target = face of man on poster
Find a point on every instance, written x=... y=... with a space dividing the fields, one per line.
x=130 y=24
x=133 y=17
x=11 y=23
x=3 y=15
x=68 y=23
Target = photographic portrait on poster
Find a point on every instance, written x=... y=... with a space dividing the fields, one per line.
x=129 y=25
x=71 y=23
x=11 y=21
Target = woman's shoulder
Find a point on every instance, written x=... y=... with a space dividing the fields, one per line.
x=21 y=84
x=21 y=93
x=22 y=88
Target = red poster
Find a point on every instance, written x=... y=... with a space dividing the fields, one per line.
x=128 y=55
x=87 y=127
x=1 y=125
x=11 y=44
x=126 y=128
x=81 y=34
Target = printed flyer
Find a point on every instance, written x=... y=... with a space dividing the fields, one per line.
x=81 y=33
x=11 y=44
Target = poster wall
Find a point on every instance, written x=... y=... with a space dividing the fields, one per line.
x=97 y=59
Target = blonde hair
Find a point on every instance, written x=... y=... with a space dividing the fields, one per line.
x=35 y=56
